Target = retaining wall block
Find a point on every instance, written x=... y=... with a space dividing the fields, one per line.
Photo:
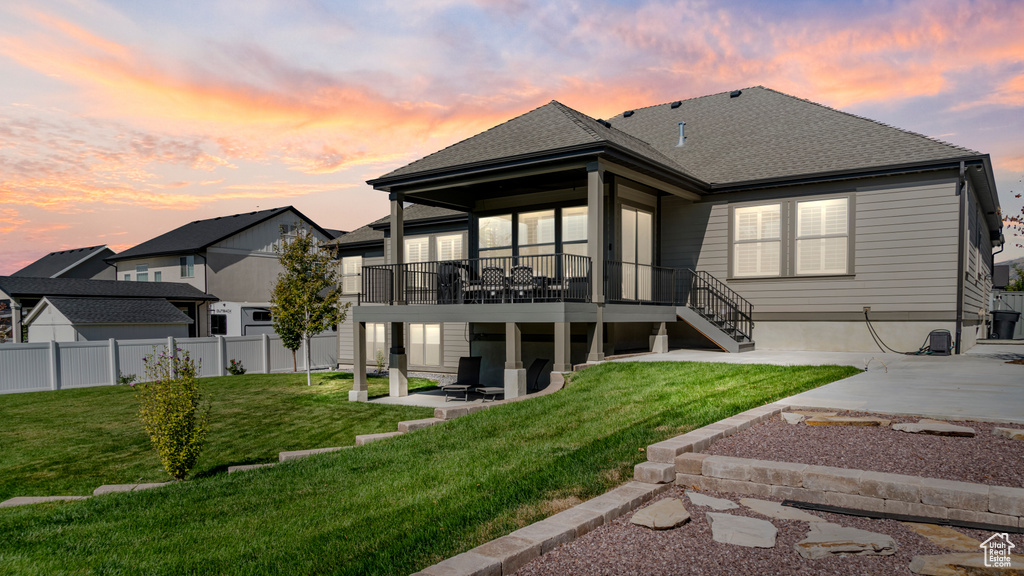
x=511 y=551
x=413 y=425
x=890 y=486
x=367 y=438
x=549 y=535
x=726 y=467
x=741 y=487
x=982 y=517
x=655 y=472
x=667 y=450
x=832 y=479
x=690 y=463
x=777 y=473
x=798 y=494
x=951 y=494
x=465 y=564
x=1006 y=500
x=696 y=481
x=916 y=509
x=582 y=521
x=854 y=501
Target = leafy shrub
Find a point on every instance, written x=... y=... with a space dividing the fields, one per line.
x=379 y=357
x=172 y=410
x=126 y=379
x=236 y=367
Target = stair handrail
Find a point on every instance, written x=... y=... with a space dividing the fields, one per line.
x=740 y=310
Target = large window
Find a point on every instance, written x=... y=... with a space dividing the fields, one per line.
x=822 y=237
x=574 y=230
x=791 y=238
x=142 y=272
x=376 y=341
x=417 y=250
x=496 y=236
x=425 y=344
x=188 y=266
x=351 y=274
x=536 y=233
x=449 y=247
x=757 y=241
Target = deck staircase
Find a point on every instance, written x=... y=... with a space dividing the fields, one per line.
x=715 y=310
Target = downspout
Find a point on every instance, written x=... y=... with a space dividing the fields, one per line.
x=961 y=191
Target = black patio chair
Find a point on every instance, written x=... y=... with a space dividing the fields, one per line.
x=467 y=378
x=521 y=286
x=533 y=374
x=449 y=283
x=492 y=283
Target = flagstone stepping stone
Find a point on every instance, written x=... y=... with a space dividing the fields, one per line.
x=825 y=539
x=935 y=429
x=26 y=500
x=957 y=564
x=846 y=421
x=812 y=413
x=109 y=488
x=662 y=515
x=707 y=501
x=742 y=531
x=793 y=417
x=1011 y=433
x=945 y=537
x=778 y=511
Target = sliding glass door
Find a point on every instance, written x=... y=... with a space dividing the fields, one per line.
x=637 y=242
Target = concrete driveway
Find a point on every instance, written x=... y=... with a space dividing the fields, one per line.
x=978 y=385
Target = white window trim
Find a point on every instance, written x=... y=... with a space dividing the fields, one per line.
x=440 y=344
x=788 y=233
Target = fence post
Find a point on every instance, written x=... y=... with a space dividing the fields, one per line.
x=222 y=356
x=266 y=353
x=115 y=367
x=172 y=353
x=54 y=366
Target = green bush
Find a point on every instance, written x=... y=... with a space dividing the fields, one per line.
x=172 y=411
x=236 y=368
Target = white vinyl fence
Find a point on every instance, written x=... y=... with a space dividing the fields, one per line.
x=56 y=365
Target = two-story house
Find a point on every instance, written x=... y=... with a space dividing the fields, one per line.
x=231 y=257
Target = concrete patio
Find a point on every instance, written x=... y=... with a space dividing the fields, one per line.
x=978 y=385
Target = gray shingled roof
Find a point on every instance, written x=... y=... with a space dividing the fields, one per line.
x=413 y=213
x=552 y=127
x=196 y=236
x=764 y=134
x=55 y=262
x=760 y=135
x=118 y=310
x=38 y=287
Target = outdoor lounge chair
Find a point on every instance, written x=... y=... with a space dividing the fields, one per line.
x=467 y=378
x=533 y=374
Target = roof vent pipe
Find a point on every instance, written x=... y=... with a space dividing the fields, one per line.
x=682 y=135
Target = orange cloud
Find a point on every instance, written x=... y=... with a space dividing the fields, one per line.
x=10 y=220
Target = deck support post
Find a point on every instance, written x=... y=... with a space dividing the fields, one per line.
x=515 y=375
x=596 y=231
x=358 y=393
x=398 y=365
x=595 y=338
x=398 y=247
x=659 y=340
x=563 y=347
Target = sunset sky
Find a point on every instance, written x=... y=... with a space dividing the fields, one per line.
x=122 y=120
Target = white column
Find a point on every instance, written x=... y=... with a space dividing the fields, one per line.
x=265 y=352
x=54 y=365
x=659 y=340
x=115 y=362
x=515 y=375
x=358 y=393
x=595 y=231
x=15 y=321
x=595 y=338
x=563 y=347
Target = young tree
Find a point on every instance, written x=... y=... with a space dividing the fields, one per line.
x=307 y=297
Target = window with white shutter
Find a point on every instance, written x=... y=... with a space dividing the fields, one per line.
x=351 y=274
x=757 y=240
x=449 y=247
x=822 y=236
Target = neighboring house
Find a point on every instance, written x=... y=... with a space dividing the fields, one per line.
x=730 y=219
x=26 y=294
x=85 y=263
x=230 y=256
x=82 y=319
x=431 y=234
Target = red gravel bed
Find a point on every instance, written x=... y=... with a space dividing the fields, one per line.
x=983 y=459
x=621 y=548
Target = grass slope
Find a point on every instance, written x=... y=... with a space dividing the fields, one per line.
x=398 y=505
x=68 y=442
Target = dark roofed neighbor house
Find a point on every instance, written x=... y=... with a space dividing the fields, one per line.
x=86 y=263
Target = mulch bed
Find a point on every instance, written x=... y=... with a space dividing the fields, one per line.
x=621 y=548
x=983 y=459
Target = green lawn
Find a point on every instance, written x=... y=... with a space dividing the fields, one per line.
x=396 y=506
x=71 y=441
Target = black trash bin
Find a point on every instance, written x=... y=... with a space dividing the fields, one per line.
x=1003 y=323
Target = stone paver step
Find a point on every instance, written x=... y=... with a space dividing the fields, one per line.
x=26 y=500
x=363 y=439
x=244 y=467
x=296 y=454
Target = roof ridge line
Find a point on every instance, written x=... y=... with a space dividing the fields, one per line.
x=575 y=120
x=873 y=121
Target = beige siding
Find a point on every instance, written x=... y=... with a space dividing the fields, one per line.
x=264 y=236
x=455 y=344
x=904 y=256
x=169 y=268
